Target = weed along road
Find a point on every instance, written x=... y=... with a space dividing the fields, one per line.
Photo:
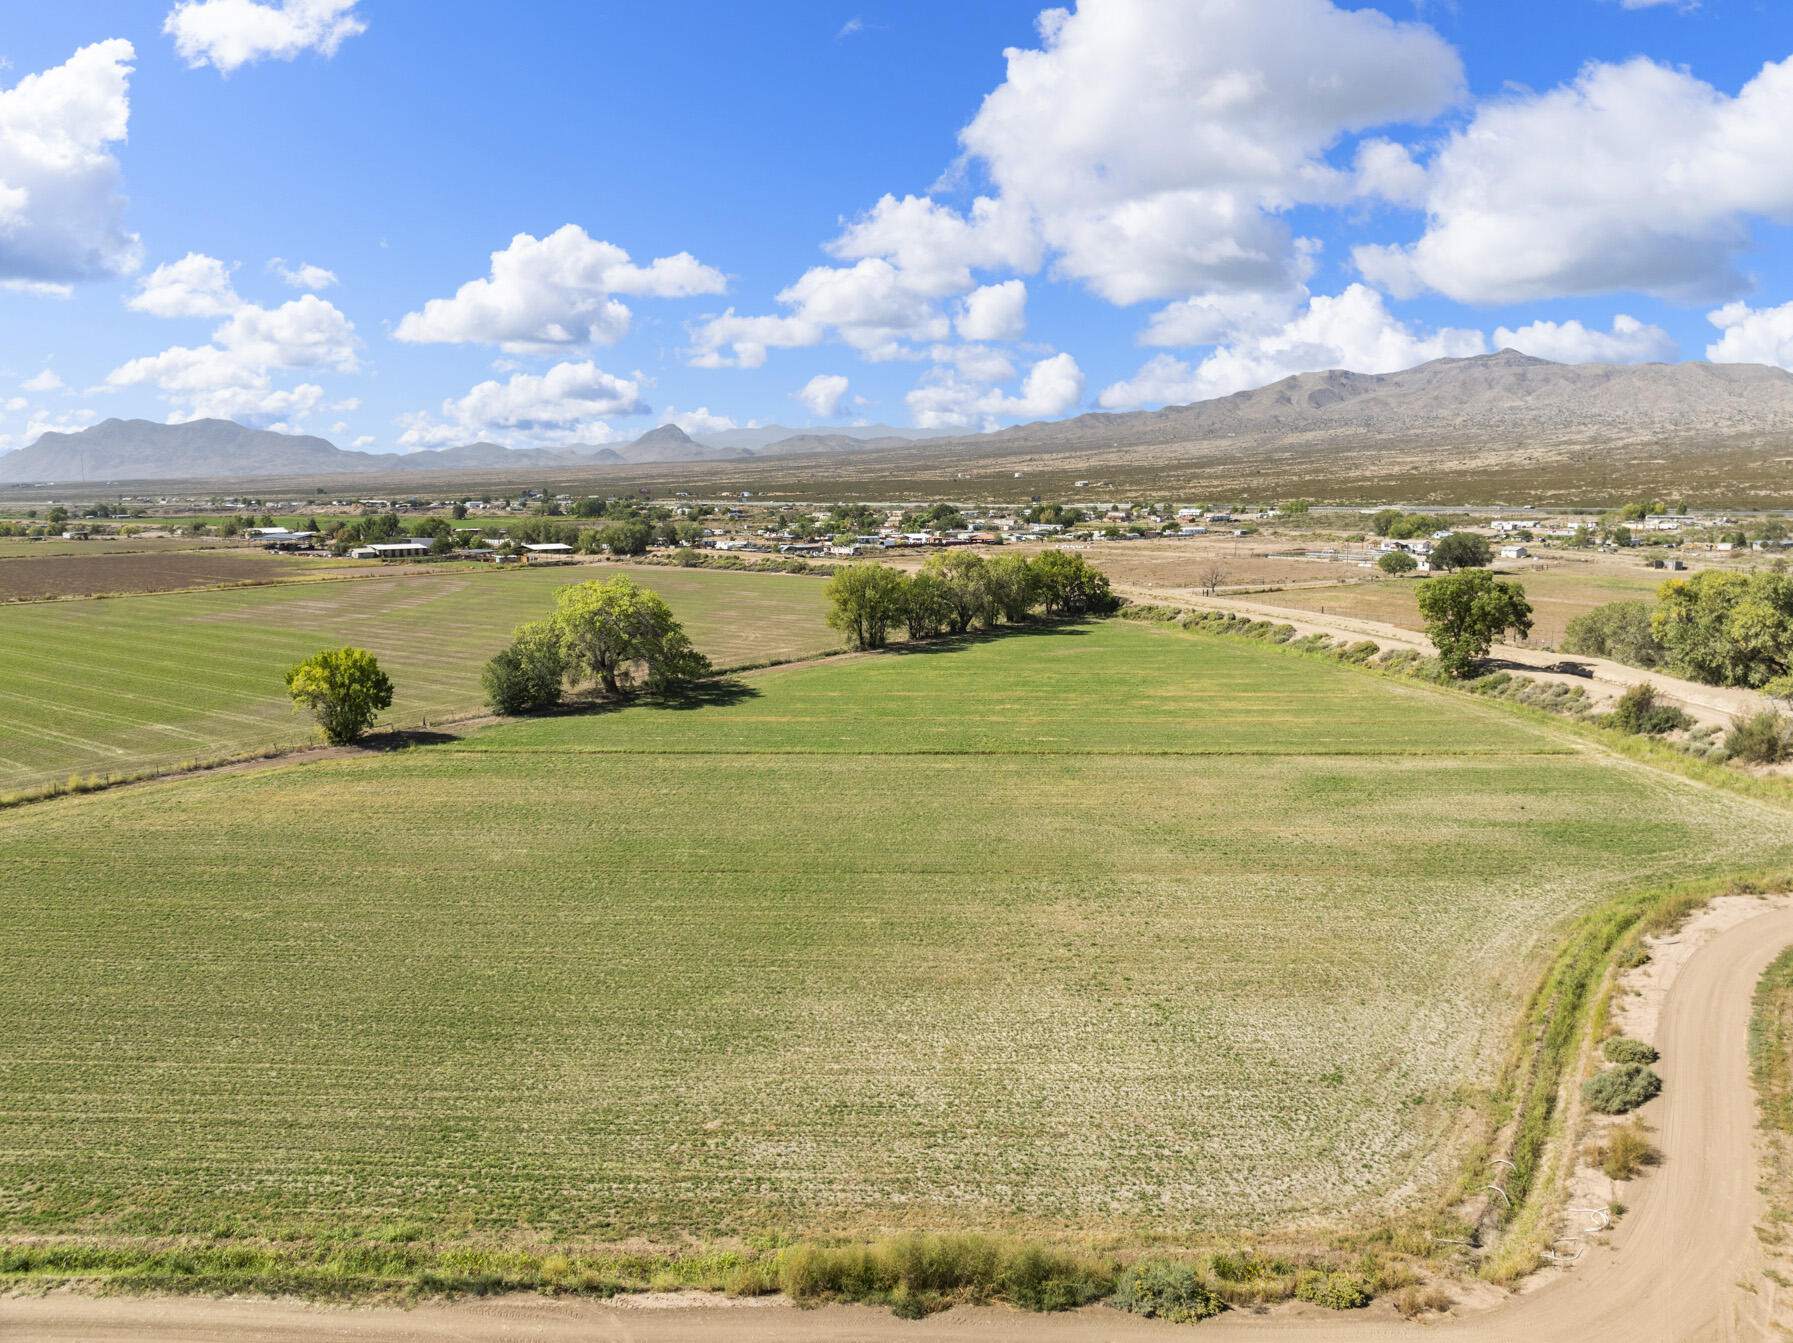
x=1671 y=1274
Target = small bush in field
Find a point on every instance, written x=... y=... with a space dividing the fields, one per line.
x=1620 y=1090
x=1164 y=1290
x=1621 y=1049
x=1335 y=1291
x=1625 y=1150
x=1758 y=740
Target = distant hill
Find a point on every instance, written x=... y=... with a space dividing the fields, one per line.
x=1507 y=408
x=145 y=450
x=766 y=435
x=669 y=443
x=1499 y=395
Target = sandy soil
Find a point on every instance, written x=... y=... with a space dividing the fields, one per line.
x=1671 y=1270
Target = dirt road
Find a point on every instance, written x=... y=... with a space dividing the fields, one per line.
x=1707 y=704
x=1670 y=1275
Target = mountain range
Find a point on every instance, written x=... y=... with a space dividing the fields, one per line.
x=1504 y=399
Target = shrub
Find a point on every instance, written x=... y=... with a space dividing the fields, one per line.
x=1625 y=1150
x=1619 y=1090
x=1165 y=1290
x=1415 y=1301
x=1760 y=739
x=1619 y=630
x=1623 y=1049
x=1638 y=714
x=1335 y=1291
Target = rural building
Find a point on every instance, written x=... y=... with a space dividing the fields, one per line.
x=547 y=548
x=391 y=550
x=1515 y=553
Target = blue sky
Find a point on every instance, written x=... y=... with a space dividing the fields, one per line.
x=808 y=213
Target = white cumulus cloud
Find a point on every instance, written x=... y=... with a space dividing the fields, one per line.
x=1154 y=145
x=61 y=210
x=303 y=276
x=232 y=33
x=1636 y=176
x=555 y=292
x=1629 y=342
x=567 y=404
x=194 y=286
x=994 y=312
x=943 y=399
x=1753 y=335
x=1352 y=330
x=46 y=381
x=232 y=377
x=822 y=395
x=694 y=422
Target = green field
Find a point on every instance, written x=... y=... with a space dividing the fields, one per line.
x=1105 y=927
x=122 y=684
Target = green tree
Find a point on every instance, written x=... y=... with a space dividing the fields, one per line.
x=1397 y=562
x=925 y=607
x=607 y=627
x=1461 y=550
x=865 y=600
x=56 y=516
x=529 y=674
x=1012 y=587
x=626 y=538
x=343 y=688
x=965 y=582
x=1727 y=628
x=1069 y=585
x=459 y=511
x=1465 y=612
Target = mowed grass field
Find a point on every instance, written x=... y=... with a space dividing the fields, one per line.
x=1557 y=596
x=119 y=685
x=1103 y=928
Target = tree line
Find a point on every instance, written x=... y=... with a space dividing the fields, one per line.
x=960 y=590
x=1719 y=627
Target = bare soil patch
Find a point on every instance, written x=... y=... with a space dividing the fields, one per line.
x=50 y=576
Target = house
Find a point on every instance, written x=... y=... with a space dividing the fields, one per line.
x=391 y=550
x=1515 y=553
x=547 y=548
x=289 y=540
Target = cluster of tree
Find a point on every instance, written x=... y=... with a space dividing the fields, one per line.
x=365 y=530
x=600 y=631
x=627 y=536
x=1392 y=522
x=960 y=590
x=851 y=518
x=938 y=518
x=1719 y=626
x=1727 y=628
x=1466 y=612
x=1056 y=515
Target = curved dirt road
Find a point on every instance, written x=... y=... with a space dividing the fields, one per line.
x=1706 y=704
x=1671 y=1273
